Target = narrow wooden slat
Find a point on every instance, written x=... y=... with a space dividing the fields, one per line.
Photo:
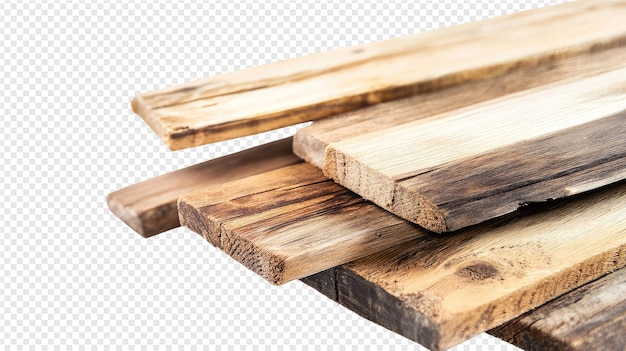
x=321 y=85
x=470 y=165
x=592 y=317
x=310 y=142
x=291 y=222
x=149 y=207
x=436 y=290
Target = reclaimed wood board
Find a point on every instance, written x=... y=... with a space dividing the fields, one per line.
x=442 y=290
x=467 y=166
x=310 y=142
x=316 y=86
x=592 y=317
x=149 y=207
x=291 y=222
x=436 y=290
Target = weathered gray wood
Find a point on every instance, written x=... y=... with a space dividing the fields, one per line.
x=149 y=207
x=321 y=85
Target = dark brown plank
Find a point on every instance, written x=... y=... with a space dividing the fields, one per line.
x=592 y=317
x=149 y=207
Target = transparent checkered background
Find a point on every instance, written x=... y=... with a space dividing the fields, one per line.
x=72 y=276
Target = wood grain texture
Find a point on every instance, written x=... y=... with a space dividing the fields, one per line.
x=470 y=165
x=310 y=142
x=592 y=317
x=149 y=207
x=291 y=223
x=320 y=85
x=442 y=290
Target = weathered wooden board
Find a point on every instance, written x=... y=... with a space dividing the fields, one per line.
x=470 y=165
x=320 y=85
x=442 y=290
x=310 y=142
x=150 y=208
x=436 y=290
x=291 y=222
x=592 y=317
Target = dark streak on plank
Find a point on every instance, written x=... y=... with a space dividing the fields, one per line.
x=555 y=166
x=592 y=317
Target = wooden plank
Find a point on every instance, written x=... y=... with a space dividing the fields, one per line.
x=149 y=207
x=320 y=85
x=291 y=222
x=440 y=291
x=436 y=290
x=310 y=142
x=470 y=165
x=592 y=317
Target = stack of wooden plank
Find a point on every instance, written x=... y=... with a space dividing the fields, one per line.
x=457 y=181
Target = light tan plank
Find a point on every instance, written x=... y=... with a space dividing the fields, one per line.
x=317 y=86
x=442 y=291
x=391 y=167
x=291 y=222
x=149 y=207
x=310 y=142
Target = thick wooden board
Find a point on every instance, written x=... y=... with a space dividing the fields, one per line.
x=310 y=142
x=291 y=222
x=470 y=165
x=320 y=85
x=592 y=317
x=436 y=290
x=150 y=208
x=440 y=291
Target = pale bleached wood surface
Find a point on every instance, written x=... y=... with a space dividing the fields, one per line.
x=473 y=164
x=310 y=142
